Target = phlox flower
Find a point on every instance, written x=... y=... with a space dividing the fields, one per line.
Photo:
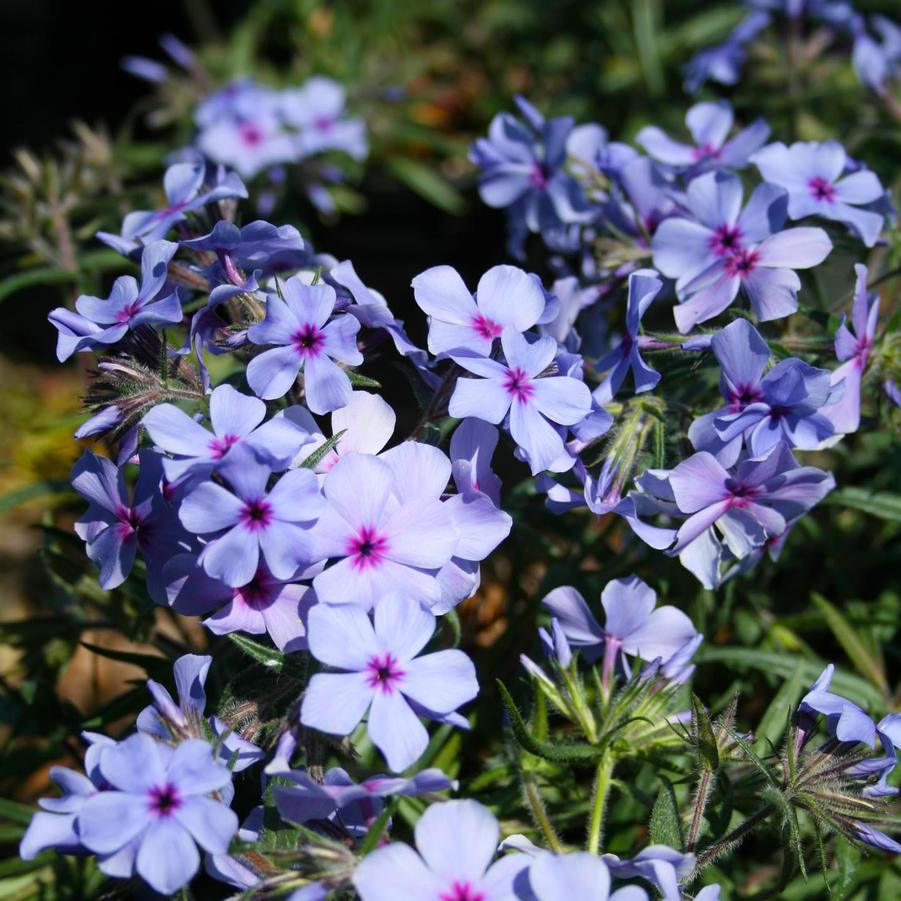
x=506 y=297
x=381 y=536
x=517 y=388
x=299 y=324
x=455 y=842
x=158 y=805
x=259 y=245
x=709 y=124
x=565 y=877
x=317 y=110
x=100 y=322
x=249 y=522
x=662 y=866
x=723 y=249
x=814 y=176
x=384 y=674
x=844 y=719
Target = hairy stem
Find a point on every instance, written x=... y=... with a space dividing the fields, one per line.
x=709 y=854
x=602 y=782
x=533 y=796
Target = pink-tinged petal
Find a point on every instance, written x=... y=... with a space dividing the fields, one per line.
x=484 y=399
x=510 y=297
x=535 y=435
x=193 y=771
x=342 y=636
x=331 y=536
x=859 y=187
x=396 y=730
x=442 y=681
x=335 y=702
x=442 y=293
x=236 y=616
x=481 y=366
x=463 y=339
x=795 y=248
x=568 y=607
x=233 y=413
x=533 y=358
x=420 y=470
x=698 y=482
x=111 y=819
x=340 y=340
x=562 y=399
x=773 y=293
x=99 y=481
x=273 y=372
x=233 y=558
x=177 y=433
x=403 y=627
x=211 y=824
x=395 y=872
x=209 y=508
x=421 y=533
x=134 y=765
x=168 y=857
x=464 y=826
x=359 y=488
x=367 y=422
x=682 y=248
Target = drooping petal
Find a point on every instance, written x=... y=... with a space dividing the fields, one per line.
x=168 y=857
x=396 y=730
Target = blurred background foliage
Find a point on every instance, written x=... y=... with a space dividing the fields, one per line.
x=427 y=77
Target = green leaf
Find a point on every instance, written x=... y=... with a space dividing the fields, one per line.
x=268 y=657
x=156 y=667
x=423 y=180
x=773 y=720
x=708 y=754
x=15 y=812
x=866 y=659
x=321 y=451
x=39 y=489
x=361 y=381
x=44 y=276
x=573 y=753
x=882 y=504
x=665 y=824
x=376 y=830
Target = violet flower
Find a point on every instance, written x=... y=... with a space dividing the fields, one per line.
x=813 y=175
x=455 y=841
x=459 y=321
x=299 y=324
x=250 y=522
x=317 y=110
x=709 y=124
x=515 y=387
x=723 y=249
x=382 y=536
x=844 y=719
x=98 y=322
x=853 y=346
x=236 y=420
x=159 y=806
x=259 y=245
x=565 y=877
x=384 y=674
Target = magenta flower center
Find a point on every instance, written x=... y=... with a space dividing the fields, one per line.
x=367 y=548
x=256 y=515
x=130 y=521
x=518 y=385
x=259 y=593
x=384 y=672
x=129 y=311
x=221 y=445
x=740 y=495
x=485 y=327
x=176 y=207
x=742 y=263
x=821 y=189
x=539 y=176
x=462 y=891
x=705 y=151
x=742 y=395
x=164 y=800
x=308 y=340
x=251 y=134
x=726 y=240
x=323 y=123
x=862 y=351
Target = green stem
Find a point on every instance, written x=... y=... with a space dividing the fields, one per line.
x=533 y=796
x=602 y=782
x=710 y=853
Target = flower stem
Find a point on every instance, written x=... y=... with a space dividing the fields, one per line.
x=710 y=853
x=602 y=782
x=533 y=796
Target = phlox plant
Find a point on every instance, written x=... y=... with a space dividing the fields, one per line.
x=654 y=390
